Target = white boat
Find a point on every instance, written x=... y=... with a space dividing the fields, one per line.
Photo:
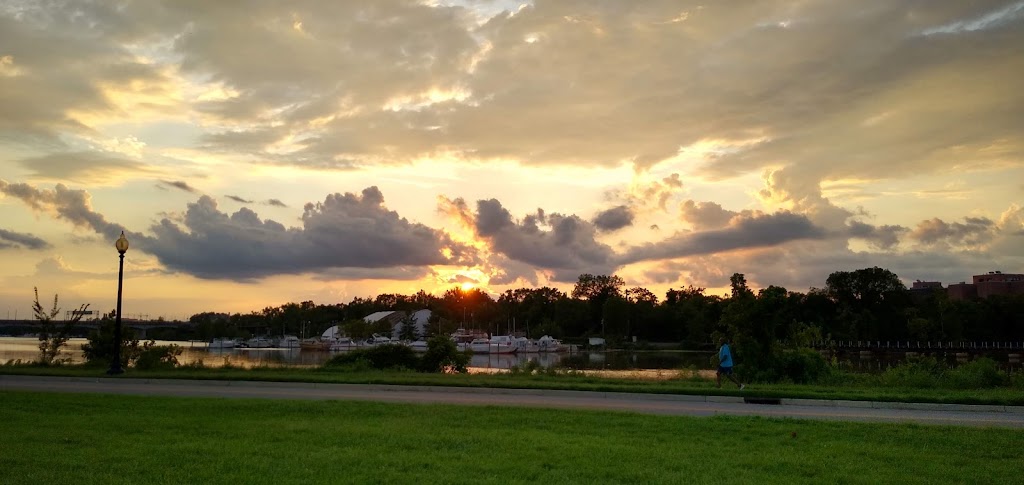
x=221 y=343
x=380 y=340
x=526 y=346
x=463 y=338
x=289 y=342
x=499 y=344
x=260 y=343
x=341 y=344
x=550 y=344
x=418 y=345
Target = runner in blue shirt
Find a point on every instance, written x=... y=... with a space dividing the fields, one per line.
x=725 y=364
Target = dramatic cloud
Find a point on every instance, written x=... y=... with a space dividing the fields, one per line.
x=178 y=184
x=64 y=64
x=880 y=237
x=668 y=112
x=614 y=219
x=705 y=215
x=743 y=233
x=343 y=231
x=563 y=245
x=74 y=206
x=11 y=239
x=973 y=231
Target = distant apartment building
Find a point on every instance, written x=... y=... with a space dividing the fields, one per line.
x=999 y=283
x=962 y=291
x=986 y=285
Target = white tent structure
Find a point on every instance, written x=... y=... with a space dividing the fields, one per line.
x=420 y=319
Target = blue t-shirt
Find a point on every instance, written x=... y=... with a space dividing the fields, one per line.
x=725 y=356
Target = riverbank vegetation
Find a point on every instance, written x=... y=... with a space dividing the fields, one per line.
x=78 y=438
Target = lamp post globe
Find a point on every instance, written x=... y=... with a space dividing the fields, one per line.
x=115 y=365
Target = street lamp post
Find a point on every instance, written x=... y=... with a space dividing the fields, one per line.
x=115 y=365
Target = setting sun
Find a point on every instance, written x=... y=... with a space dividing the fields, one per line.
x=468 y=285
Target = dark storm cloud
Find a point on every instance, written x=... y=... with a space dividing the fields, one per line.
x=177 y=184
x=746 y=233
x=11 y=239
x=614 y=219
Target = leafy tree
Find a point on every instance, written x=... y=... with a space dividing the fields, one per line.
x=99 y=350
x=154 y=357
x=752 y=335
x=615 y=318
x=407 y=328
x=52 y=336
x=597 y=287
x=691 y=315
x=443 y=356
x=596 y=290
x=871 y=301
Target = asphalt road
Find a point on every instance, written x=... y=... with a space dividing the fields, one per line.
x=934 y=414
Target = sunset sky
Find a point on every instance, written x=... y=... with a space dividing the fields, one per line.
x=259 y=152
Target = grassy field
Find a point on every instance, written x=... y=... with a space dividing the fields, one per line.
x=82 y=439
x=999 y=395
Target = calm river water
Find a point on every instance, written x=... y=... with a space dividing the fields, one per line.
x=26 y=349
x=660 y=363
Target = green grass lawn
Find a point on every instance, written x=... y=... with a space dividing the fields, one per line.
x=999 y=395
x=82 y=439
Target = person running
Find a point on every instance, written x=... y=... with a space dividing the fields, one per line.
x=725 y=364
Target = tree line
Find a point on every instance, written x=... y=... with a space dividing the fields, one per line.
x=866 y=304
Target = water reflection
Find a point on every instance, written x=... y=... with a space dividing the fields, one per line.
x=27 y=350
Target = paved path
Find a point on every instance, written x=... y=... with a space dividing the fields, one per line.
x=961 y=415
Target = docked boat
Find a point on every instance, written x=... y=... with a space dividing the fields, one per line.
x=260 y=343
x=342 y=344
x=499 y=344
x=314 y=344
x=289 y=342
x=380 y=340
x=464 y=338
x=550 y=344
x=222 y=343
x=526 y=346
x=418 y=345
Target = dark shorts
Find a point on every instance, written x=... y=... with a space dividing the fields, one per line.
x=725 y=370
